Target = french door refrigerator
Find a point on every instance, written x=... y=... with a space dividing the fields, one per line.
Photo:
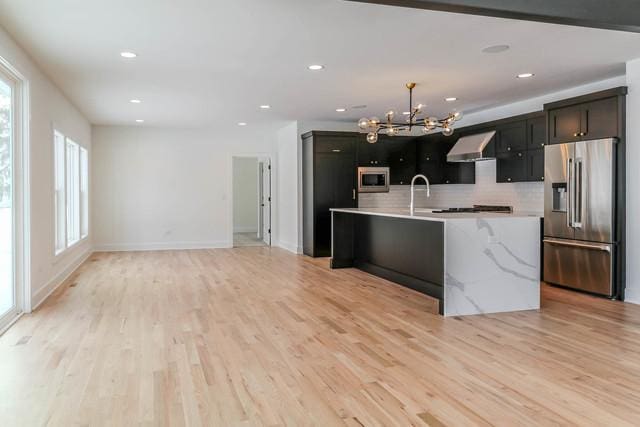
x=579 y=215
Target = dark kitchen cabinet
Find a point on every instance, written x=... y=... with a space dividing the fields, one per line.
x=536 y=133
x=402 y=160
x=565 y=124
x=600 y=119
x=511 y=137
x=535 y=165
x=511 y=166
x=431 y=159
x=594 y=119
x=432 y=162
x=375 y=155
x=329 y=181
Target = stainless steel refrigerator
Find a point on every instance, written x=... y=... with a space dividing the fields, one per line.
x=579 y=215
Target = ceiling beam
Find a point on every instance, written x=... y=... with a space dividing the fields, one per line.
x=622 y=15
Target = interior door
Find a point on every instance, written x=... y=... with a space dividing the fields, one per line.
x=595 y=183
x=266 y=201
x=8 y=287
x=558 y=164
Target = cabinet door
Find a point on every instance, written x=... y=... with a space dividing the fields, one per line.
x=430 y=159
x=565 y=124
x=512 y=137
x=600 y=119
x=536 y=133
x=334 y=187
x=511 y=167
x=535 y=165
x=402 y=161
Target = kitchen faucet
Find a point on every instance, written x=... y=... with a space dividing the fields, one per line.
x=426 y=180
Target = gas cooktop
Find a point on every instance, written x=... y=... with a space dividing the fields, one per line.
x=478 y=208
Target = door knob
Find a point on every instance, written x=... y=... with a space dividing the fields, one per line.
x=509 y=179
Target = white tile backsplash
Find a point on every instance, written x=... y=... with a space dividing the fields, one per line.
x=523 y=196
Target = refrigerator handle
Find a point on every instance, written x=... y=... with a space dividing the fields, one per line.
x=578 y=193
x=569 y=193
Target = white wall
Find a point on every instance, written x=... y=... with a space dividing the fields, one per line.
x=245 y=194
x=168 y=188
x=49 y=108
x=287 y=189
x=633 y=182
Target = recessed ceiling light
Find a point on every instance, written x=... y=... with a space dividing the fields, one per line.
x=135 y=101
x=128 y=55
x=265 y=106
x=316 y=67
x=525 y=75
x=406 y=113
x=451 y=99
x=359 y=107
x=242 y=124
x=496 y=48
x=341 y=110
x=139 y=121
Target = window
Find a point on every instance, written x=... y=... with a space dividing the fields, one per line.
x=84 y=193
x=71 y=164
x=60 y=192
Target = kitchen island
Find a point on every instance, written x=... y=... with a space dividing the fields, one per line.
x=473 y=263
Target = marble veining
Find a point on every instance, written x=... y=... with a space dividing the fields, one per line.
x=491 y=265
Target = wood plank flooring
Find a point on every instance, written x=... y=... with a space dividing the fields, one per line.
x=258 y=336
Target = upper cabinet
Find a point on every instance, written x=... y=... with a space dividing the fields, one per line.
x=593 y=116
x=401 y=160
x=511 y=136
x=432 y=162
x=536 y=133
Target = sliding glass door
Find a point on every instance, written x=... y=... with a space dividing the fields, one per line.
x=8 y=306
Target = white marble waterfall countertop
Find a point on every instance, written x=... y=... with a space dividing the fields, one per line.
x=427 y=214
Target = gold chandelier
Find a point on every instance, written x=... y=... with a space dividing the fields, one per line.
x=374 y=126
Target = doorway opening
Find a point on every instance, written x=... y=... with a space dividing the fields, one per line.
x=251 y=201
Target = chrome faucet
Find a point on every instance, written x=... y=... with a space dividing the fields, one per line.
x=413 y=181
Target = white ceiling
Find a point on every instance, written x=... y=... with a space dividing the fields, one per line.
x=208 y=62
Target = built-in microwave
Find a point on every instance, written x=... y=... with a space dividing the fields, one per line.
x=373 y=180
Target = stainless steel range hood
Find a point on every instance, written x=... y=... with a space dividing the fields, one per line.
x=472 y=148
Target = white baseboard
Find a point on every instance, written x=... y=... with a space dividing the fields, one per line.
x=245 y=230
x=161 y=246
x=39 y=296
x=289 y=247
x=632 y=295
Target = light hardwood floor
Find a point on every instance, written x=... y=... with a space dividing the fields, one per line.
x=257 y=336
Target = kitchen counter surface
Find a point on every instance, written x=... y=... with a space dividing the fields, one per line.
x=427 y=214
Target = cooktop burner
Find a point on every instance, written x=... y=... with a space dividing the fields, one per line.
x=478 y=208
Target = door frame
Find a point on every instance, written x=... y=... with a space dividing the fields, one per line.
x=21 y=193
x=260 y=156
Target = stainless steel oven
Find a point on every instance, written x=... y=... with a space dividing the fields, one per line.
x=373 y=180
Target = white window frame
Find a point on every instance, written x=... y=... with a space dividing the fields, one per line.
x=76 y=195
